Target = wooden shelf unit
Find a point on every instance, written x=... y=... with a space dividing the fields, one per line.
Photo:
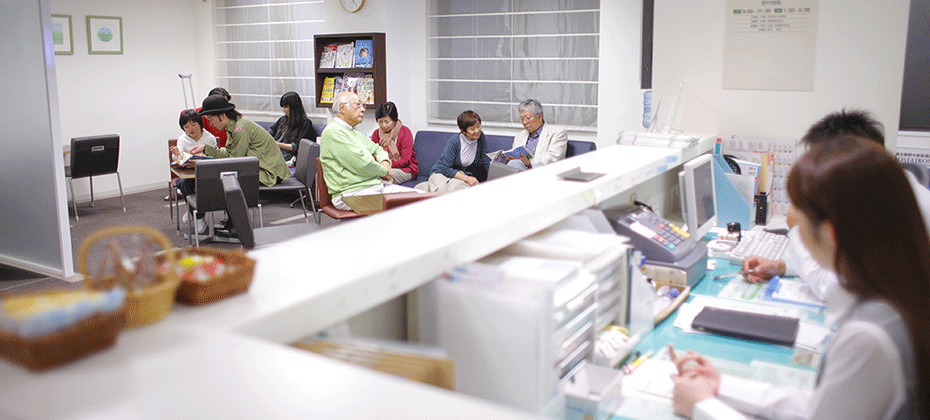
x=378 y=69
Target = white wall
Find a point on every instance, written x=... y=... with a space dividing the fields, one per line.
x=137 y=94
x=859 y=63
x=860 y=54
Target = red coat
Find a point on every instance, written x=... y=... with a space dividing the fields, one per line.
x=408 y=158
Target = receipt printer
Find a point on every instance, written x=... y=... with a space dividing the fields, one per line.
x=661 y=242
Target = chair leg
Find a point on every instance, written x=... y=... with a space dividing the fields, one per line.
x=120 y=183
x=303 y=205
x=316 y=214
x=73 y=199
x=170 y=202
x=91 y=179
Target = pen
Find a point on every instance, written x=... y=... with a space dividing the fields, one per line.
x=723 y=276
x=628 y=368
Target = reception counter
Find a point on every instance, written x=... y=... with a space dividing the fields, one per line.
x=230 y=359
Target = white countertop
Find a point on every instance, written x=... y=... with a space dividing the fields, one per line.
x=226 y=360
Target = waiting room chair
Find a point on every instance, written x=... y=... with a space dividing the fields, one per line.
x=251 y=237
x=209 y=193
x=326 y=200
x=578 y=147
x=304 y=174
x=92 y=156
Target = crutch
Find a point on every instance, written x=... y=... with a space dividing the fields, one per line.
x=191 y=86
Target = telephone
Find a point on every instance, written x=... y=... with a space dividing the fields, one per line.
x=660 y=241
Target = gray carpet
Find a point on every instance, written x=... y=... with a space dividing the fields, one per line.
x=146 y=208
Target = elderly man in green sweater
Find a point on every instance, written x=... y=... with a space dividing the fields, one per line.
x=244 y=138
x=352 y=163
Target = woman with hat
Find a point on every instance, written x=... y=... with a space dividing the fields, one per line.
x=244 y=138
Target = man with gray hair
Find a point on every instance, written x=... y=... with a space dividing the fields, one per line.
x=546 y=141
x=352 y=163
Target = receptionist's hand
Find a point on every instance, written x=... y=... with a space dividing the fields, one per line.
x=756 y=269
x=196 y=150
x=696 y=381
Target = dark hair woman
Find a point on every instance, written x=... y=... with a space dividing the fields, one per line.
x=292 y=127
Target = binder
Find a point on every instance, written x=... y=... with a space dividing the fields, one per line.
x=747 y=325
x=731 y=206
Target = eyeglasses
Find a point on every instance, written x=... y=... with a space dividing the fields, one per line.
x=525 y=119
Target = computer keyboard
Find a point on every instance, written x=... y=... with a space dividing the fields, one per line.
x=764 y=244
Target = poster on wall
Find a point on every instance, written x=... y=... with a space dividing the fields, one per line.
x=770 y=44
x=104 y=35
x=61 y=35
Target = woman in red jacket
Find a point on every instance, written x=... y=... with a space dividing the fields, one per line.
x=397 y=140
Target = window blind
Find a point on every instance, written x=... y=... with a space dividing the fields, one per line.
x=264 y=48
x=488 y=56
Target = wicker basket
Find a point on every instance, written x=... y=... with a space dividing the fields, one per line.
x=92 y=334
x=236 y=280
x=147 y=305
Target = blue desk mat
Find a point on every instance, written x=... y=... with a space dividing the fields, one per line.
x=711 y=345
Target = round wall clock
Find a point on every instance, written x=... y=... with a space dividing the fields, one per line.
x=352 y=6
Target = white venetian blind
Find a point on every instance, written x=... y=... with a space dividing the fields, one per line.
x=488 y=56
x=264 y=48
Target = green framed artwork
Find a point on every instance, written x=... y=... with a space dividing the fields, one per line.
x=62 y=35
x=104 y=35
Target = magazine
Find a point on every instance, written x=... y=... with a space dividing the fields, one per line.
x=502 y=156
x=328 y=57
x=345 y=56
x=187 y=159
x=363 y=53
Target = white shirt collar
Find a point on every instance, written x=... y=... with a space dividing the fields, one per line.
x=339 y=120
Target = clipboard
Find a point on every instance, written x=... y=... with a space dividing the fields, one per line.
x=365 y=204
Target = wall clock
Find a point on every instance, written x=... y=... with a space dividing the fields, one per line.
x=352 y=6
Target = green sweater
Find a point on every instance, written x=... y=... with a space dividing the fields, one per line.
x=351 y=161
x=245 y=138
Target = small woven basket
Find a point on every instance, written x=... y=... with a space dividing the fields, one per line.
x=146 y=305
x=236 y=279
x=92 y=334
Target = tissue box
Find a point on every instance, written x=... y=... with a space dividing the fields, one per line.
x=593 y=393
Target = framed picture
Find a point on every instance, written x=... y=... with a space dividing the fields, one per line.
x=61 y=35
x=104 y=35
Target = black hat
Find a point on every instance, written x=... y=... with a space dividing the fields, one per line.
x=215 y=105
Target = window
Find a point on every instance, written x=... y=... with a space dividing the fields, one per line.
x=264 y=48
x=488 y=56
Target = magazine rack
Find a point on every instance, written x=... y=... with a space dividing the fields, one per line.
x=377 y=71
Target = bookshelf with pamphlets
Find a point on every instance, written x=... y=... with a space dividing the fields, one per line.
x=352 y=61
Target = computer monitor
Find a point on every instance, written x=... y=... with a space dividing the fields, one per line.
x=698 y=195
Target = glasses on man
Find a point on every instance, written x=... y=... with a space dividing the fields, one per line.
x=527 y=118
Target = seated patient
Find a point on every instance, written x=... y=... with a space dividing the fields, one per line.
x=292 y=127
x=244 y=138
x=352 y=163
x=464 y=162
x=859 y=219
x=194 y=134
x=546 y=141
x=397 y=141
x=797 y=260
x=218 y=133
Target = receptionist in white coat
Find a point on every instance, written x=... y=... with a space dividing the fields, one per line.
x=546 y=141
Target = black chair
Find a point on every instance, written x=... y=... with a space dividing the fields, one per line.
x=92 y=156
x=239 y=215
x=209 y=194
x=304 y=175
